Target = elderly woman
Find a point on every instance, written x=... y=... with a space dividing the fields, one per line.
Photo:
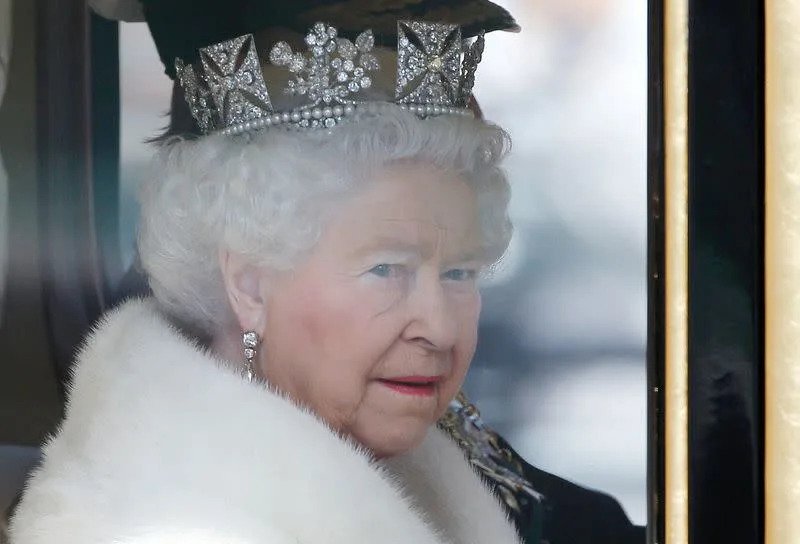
x=313 y=230
x=314 y=265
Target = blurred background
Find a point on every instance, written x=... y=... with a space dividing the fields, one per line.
x=560 y=368
x=561 y=362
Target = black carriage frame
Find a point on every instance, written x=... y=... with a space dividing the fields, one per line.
x=78 y=149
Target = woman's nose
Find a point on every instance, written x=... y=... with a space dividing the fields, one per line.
x=431 y=322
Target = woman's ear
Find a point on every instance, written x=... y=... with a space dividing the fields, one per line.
x=247 y=289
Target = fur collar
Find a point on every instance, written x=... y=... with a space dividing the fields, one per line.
x=163 y=443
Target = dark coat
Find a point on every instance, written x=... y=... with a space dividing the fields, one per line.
x=546 y=509
x=571 y=514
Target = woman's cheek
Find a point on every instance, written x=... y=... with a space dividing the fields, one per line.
x=469 y=315
x=384 y=295
x=466 y=304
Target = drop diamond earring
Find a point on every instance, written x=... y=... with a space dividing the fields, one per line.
x=250 y=342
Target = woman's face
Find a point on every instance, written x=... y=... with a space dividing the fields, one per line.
x=375 y=330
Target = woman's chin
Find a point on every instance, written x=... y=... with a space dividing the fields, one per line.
x=394 y=440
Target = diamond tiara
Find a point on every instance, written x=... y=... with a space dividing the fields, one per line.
x=227 y=93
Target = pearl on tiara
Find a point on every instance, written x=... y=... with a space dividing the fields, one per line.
x=330 y=117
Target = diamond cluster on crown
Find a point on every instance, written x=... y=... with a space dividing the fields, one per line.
x=226 y=90
x=335 y=70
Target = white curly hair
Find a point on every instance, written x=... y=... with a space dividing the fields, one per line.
x=268 y=196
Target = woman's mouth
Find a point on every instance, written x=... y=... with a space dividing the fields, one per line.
x=418 y=386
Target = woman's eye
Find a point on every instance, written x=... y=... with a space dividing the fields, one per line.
x=460 y=274
x=385 y=270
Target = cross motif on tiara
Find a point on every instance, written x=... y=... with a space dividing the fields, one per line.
x=428 y=63
x=233 y=74
x=198 y=95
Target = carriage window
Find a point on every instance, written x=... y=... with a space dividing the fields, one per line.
x=561 y=364
x=560 y=368
x=145 y=93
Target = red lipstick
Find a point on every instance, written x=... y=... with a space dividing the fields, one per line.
x=418 y=386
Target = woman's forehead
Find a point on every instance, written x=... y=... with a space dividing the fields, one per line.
x=416 y=194
x=415 y=189
x=413 y=208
